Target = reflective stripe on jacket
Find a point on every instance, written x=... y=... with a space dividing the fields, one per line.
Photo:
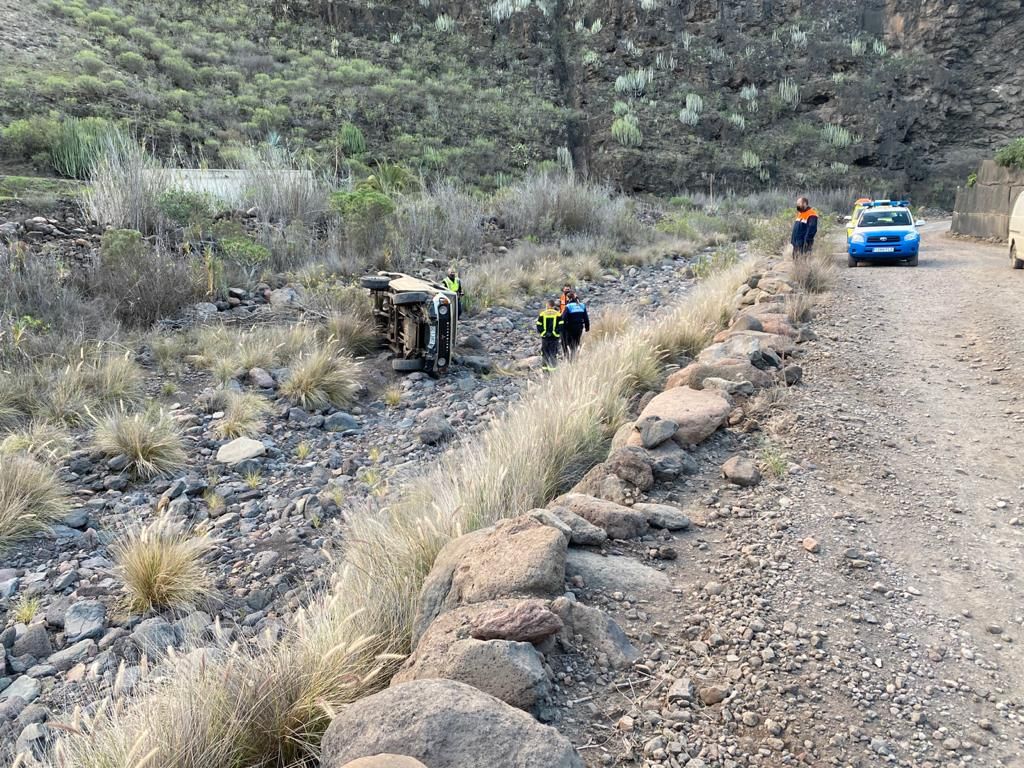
x=549 y=323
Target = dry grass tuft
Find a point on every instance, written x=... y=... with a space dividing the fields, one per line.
x=321 y=378
x=48 y=443
x=31 y=498
x=150 y=439
x=353 y=330
x=610 y=322
x=799 y=307
x=243 y=415
x=816 y=273
x=161 y=565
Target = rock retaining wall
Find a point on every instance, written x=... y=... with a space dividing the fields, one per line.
x=495 y=604
x=984 y=209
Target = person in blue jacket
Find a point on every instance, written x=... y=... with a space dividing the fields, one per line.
x=576 y=321
x=805 y=227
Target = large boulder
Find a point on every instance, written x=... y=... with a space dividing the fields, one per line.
x=739 y=370
x=763 y=350
x=444 y=724
x=665 y=516
x=516 y=557
x=697 y=412
x=618 y=521
x=615 y=574
x=598 y=631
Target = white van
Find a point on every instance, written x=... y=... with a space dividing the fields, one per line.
x=1016 y=237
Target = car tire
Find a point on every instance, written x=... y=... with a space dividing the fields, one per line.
x=406 y=366
x=912 y=262
x=851 y=262
x=411 y=297
x=1015 y=262
x=375 y=282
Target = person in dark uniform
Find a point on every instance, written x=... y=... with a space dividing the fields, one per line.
x=576 y=321
x=549 y=328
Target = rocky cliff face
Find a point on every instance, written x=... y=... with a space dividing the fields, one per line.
x=907 y=94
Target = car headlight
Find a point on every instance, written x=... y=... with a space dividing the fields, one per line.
x=857 y=237
x=442 y=362
x=911 y=236
x=442 y=310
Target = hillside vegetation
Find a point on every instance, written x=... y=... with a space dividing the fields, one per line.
x=641 y=92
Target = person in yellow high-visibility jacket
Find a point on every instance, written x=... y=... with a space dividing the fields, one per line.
x=549 y=328
x=453 y=283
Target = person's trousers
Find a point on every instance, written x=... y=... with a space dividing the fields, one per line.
x=549 y=350
x=572 y=337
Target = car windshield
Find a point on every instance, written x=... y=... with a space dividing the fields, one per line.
x=885 y=219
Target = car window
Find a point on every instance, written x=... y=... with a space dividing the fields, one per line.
x=885 y=219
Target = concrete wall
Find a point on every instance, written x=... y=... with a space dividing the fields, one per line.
x=224 y=184
x=984 y=209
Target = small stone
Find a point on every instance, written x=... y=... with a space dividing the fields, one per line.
x=340 y=422
x=811 y=544
x=84 y=619
x=240 y=449
x=741 y=471
x=625 y=723
x=714 y=588
x=712 y=695
x=994 y=629
x=34 y=641
x=25 y=687
x=262 y=378
x=750 y=719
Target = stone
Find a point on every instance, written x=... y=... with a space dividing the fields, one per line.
x=763 y=350
x=738 y=370
x=598 y=630
x=746 y=322
x=511 y=671
x=204 y=310
x=654 y=431
x=669 y=461
x=618 y=521
x=385 y=761
x=527 y=621
x=435 y=429
x=682 y=690
x=154 y=636
x=66 y=658
x=698 y=413
x=582 y=532
x=9 y=587
x=340 y=422
x=83 y=620
x=632 y=466
x=24 y=687
x=444 y=724
x=792 y=374
x=712 y=695
x=741 y=471
x=240 y=449
x=32 y=739
x=34 y=641
x=664 y=516
x=283 y=297
x=811 y=544
x=261 y=378
x=516 y=557
x=614 y=573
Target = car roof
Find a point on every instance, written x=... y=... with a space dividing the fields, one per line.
x=886 y=208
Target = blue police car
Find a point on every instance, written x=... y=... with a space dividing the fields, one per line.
x=885 y=230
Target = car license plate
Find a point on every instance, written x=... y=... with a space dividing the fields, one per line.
x=884 y=250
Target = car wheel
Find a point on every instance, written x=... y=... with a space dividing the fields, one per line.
x=411 y=297
x=912 y=262
x=406 y=366
x=851 y=262
x=1015 y=262
x=375 y=282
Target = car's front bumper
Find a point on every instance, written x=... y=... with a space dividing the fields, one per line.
x=905 y=249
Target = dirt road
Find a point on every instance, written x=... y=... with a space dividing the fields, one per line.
x=896 y=636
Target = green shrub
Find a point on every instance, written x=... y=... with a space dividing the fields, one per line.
x=1012 y=155
x=137 y=283
x=183 y=207
x=78 y=144
x=26 y=138
x=351 y=139
x=244 y=254
x=88 y=62
x=365 y=213
x=133 y=62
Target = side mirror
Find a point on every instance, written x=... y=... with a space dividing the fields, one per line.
x=920 y=223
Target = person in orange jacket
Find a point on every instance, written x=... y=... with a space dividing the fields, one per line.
x=805 y=227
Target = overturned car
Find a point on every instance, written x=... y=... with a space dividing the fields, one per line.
x=417 y=317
